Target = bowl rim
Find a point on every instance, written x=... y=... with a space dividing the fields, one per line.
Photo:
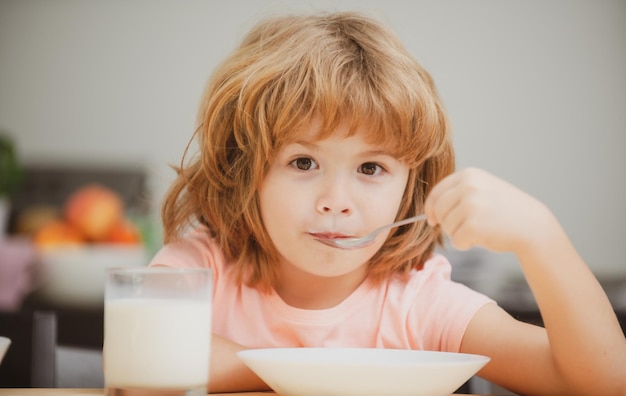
x=319 y=355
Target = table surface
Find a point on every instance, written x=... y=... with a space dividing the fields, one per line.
x=91 y=392
x=100 y=392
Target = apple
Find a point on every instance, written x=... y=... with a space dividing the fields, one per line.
x=56 y=233
x=94 y=210
x=123 y=232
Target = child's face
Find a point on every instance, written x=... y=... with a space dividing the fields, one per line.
x=330 y=188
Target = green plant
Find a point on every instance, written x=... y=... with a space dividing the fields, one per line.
x=10 y=169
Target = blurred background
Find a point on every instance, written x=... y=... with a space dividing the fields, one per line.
x=536 y=92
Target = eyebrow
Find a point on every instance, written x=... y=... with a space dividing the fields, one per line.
x=314 y=146
x=378 y=152
x=305 y=143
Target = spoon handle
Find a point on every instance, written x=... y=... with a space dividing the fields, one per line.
x=403 y=222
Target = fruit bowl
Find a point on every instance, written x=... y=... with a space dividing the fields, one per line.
x=361 y=371
x=73 y=275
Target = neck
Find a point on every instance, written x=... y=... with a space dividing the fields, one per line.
x=303 y=290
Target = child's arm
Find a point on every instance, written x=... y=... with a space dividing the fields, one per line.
x=228 y=373
x=582 y=349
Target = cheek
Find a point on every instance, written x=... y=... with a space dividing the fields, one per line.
x=266 y=207
x=278 y=205
x=384 y=206
x=399 y=190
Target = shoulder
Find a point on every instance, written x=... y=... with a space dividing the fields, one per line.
x=435 y=307
x=194 y=249
x=436 y=267
x=434 y=279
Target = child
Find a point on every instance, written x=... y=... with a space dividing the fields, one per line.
x=323 y=126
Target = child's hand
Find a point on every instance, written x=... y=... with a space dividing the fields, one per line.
x=475 y=208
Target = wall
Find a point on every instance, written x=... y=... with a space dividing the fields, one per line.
x=536 y=90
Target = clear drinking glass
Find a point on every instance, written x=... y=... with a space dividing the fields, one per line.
x=157 y=331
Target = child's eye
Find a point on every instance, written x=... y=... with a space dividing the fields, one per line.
x=303 y=163
x=370 y=169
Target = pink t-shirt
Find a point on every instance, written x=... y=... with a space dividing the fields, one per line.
x=428 y=311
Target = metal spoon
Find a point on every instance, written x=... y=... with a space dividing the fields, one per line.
x=357 y=243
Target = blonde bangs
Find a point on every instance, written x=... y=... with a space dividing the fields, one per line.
x=344 y=69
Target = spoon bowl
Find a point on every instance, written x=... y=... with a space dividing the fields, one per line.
x=367 y=240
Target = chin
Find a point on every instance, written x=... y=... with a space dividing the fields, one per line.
x=330 y=265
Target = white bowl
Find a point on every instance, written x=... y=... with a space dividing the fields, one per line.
x=74 y=275
x=361 y=371
x=4 y=345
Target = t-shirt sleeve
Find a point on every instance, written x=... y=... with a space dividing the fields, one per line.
x=442 y=309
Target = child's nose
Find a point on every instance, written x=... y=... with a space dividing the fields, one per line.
x=335 y=197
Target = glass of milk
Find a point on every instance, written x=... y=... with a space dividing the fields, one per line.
x=157 y=331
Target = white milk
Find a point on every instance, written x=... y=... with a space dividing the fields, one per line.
x=156 y=343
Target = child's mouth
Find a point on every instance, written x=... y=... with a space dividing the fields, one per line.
x=328 y=235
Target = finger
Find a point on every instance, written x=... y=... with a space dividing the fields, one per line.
x=453 y=216
x=434 y=199
x=446 y=209
x=459 y=207
x=463 y=234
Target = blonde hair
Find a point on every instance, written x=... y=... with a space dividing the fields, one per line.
x=343 y=67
